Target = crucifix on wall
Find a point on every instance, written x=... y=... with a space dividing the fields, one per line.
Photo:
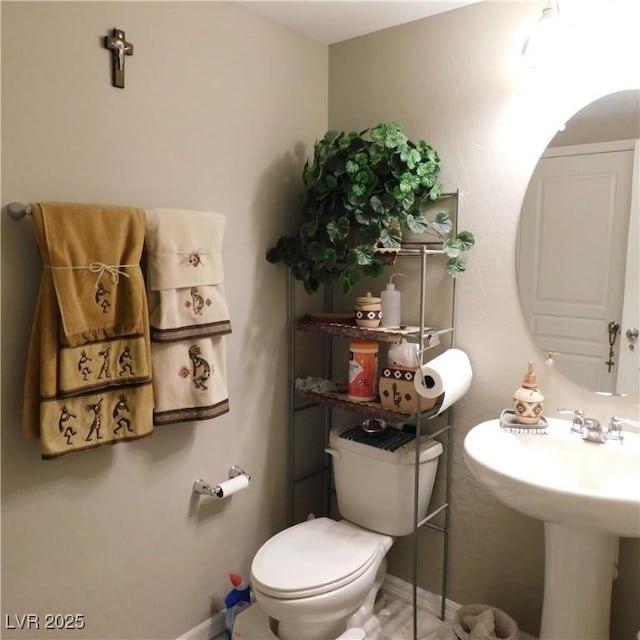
x=120 y=48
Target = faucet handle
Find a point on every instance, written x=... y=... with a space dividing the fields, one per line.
x=614 y=428
x=577 y=425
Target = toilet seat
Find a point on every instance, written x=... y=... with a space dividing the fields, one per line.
x=314 y=557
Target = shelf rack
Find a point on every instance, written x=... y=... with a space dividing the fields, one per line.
x=426 y=337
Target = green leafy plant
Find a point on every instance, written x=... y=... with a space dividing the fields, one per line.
x=362 y=189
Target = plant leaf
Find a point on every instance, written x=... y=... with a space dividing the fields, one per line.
x=331 y=135
x=390 y=237
x=467 y=240
x=441 y=223
x=274 y=255
x=416 y=225
x=338 y=229
x=363 y=255
x=345 y=281
x=309 y=228
x=436 y=191
x=455 y=267
x=374 y=269
x=316 y=251
x=451 y=247
x=377 y=205
x=351 y=167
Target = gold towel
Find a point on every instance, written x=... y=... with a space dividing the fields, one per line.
x=88 y=380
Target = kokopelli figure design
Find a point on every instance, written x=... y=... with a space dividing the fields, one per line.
x=66 y=429
x=197 y=302
x=201 y=371
x=97 y=420
x=83 y=367
x=397 y=396
x=118 y=418
x=104 y=369
x=101 y=297
x=125 y=361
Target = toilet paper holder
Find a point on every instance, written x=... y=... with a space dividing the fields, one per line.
x=204 y=488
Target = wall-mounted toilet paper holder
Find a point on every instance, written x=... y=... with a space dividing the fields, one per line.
x=238 y=479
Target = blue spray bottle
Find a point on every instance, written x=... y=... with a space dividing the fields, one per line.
x=237 y=599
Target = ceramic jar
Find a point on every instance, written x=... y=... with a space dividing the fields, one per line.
x=368 y=311
x=398 y=392
x=528 y=401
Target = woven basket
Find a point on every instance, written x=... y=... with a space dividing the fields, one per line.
x=506 y=626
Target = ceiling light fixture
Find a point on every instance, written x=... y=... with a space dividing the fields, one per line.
x=540 y=47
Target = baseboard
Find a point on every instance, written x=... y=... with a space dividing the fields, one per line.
x=206 y=630
x=428 y=601
x=396 y=587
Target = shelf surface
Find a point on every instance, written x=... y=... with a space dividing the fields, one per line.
x=341 y=401
x=379 y=334
x=372 y=409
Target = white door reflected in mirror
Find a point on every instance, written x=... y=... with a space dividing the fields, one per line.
x=577 y=257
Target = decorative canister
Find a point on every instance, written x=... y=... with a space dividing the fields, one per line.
x=363 y=366
x=398 y=392
x=528 y=402
x=368 y=311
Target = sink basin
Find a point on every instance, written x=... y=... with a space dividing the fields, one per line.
x=558 y=477
x=587 y=495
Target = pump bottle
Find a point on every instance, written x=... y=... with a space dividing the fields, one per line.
x=391 y=303
x=528 y=401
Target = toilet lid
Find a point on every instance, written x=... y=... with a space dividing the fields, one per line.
x=313 y=557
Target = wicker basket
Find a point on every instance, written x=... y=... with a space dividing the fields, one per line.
x=506 y=626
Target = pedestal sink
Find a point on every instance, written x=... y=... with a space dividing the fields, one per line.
x=587 y=495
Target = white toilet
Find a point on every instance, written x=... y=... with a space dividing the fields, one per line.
x=316 y=579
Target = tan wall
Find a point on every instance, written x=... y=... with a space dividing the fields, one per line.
x=456 y=80
x=219 y=112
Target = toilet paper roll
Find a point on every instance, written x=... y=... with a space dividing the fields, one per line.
x=231 y=486
x=449 y=374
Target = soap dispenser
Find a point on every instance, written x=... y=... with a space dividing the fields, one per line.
x=391 y=303
x=528 y=401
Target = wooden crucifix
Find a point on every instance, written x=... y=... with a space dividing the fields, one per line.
x=119 y=48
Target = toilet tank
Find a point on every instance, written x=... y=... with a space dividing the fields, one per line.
x=374 y=477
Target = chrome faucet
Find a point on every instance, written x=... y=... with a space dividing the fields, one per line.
x=593 y=431
x=577 y=424
x=589 y=428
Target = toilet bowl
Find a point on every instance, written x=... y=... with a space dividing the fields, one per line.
x=318 y=578
x=314 y=576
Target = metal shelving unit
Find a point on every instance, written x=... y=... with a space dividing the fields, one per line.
x=426 y=337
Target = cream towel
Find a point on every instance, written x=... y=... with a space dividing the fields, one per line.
x=190 y=380
x=88 y=379
x=185 y=276
x=189 y=315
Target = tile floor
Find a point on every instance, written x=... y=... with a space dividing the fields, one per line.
x=396 y=618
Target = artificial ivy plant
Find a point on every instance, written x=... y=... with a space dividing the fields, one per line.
x=362 y=189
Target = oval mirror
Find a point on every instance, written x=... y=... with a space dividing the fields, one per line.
x=577 y=252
